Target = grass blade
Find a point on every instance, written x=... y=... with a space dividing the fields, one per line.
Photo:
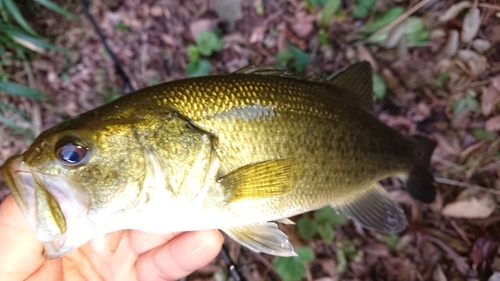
x=56 y=8
x=16 y=14
x=28 y=41
x=14 y=127
x=21 y=90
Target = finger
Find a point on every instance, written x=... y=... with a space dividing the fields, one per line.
x=106 y=245
x=180 y=256
x=20 y=252
x=141 y=242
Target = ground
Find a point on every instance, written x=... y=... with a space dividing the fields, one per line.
x=438 y=76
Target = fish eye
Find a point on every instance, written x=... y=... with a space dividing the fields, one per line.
x=70 y=153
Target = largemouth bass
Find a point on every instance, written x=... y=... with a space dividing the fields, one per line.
x=234 y=152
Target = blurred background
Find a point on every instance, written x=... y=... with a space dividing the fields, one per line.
x=436 y=73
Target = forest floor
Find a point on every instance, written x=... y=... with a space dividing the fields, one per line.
x=437 y=74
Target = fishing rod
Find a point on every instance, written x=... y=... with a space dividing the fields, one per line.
x=229 y=263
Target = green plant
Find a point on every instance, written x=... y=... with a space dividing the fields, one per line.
x=18 y=42
x=300 y=58
x=379 y=87
x=346 y=253
x=294 y=268
x=207 y=42
x=322 y=223
x=363 y=8
x=467 y=102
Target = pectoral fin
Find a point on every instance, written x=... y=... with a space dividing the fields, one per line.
x=261 y=180
x=262 y=238
x=373 y=208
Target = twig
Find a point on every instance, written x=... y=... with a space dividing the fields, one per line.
x=118 y=67
x=466 y=185
x=398 y=19
x=489 y=6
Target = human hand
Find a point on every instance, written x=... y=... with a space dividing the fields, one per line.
x=137 y=255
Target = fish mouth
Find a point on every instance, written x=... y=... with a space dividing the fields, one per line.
x=20 y=183
x=72 y=204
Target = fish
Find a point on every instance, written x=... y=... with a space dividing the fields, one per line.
x=239 y=152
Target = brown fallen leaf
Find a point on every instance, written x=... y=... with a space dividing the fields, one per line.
x=489 y=99
x=292 y=37
x=303 y=24
x=493 y=124
x=472 y=22
x=454 y=10
x=471 y=208
x=202 y=25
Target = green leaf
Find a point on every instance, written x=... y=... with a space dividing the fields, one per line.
x=26 y=40
x=56 y=8
x=290 y=268
x=198 y=68
x=16 y=14
x=415 y=33
x=13 y=126
x=363 y=8
x=383 y=20
x=307 y=228
x=21 y=90
x=391 y=240
x=7 y=106
x=379 y=87
x=341 y=261
x=324 y=37
x=193 y=52
x=208 y=42
x=329 y=215
x=301 y=58
x=305 y=253
x=325 y=230
x=482 y=134
x=330 y=8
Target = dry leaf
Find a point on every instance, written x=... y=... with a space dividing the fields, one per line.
x=202 y=25
x=472 y=22
x=495 y=276
x=454 y=10
x=229 y=10
x=475 y=62
x=438 y=274
x=364 y=54
x=303 y=24
x=489 y=99
x=481 y=45
x=493 y=124
x=495 y=81
x=452 y=44
x=395 y=35
x=471 y=208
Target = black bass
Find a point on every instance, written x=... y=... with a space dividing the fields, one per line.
x=234 y=152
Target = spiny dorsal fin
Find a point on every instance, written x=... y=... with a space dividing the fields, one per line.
x=373 y=208
x=267 y=70
x=261 y=180
x=356 y=82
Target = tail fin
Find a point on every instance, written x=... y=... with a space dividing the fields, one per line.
x=420 y=181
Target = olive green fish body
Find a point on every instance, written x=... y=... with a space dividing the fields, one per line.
x=231 y=151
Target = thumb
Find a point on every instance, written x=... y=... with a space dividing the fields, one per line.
x=20 y=253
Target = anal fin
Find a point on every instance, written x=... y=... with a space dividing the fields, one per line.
x=262 y=238
x=373 y=208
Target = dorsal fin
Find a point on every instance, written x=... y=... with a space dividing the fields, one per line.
x=356 y=82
